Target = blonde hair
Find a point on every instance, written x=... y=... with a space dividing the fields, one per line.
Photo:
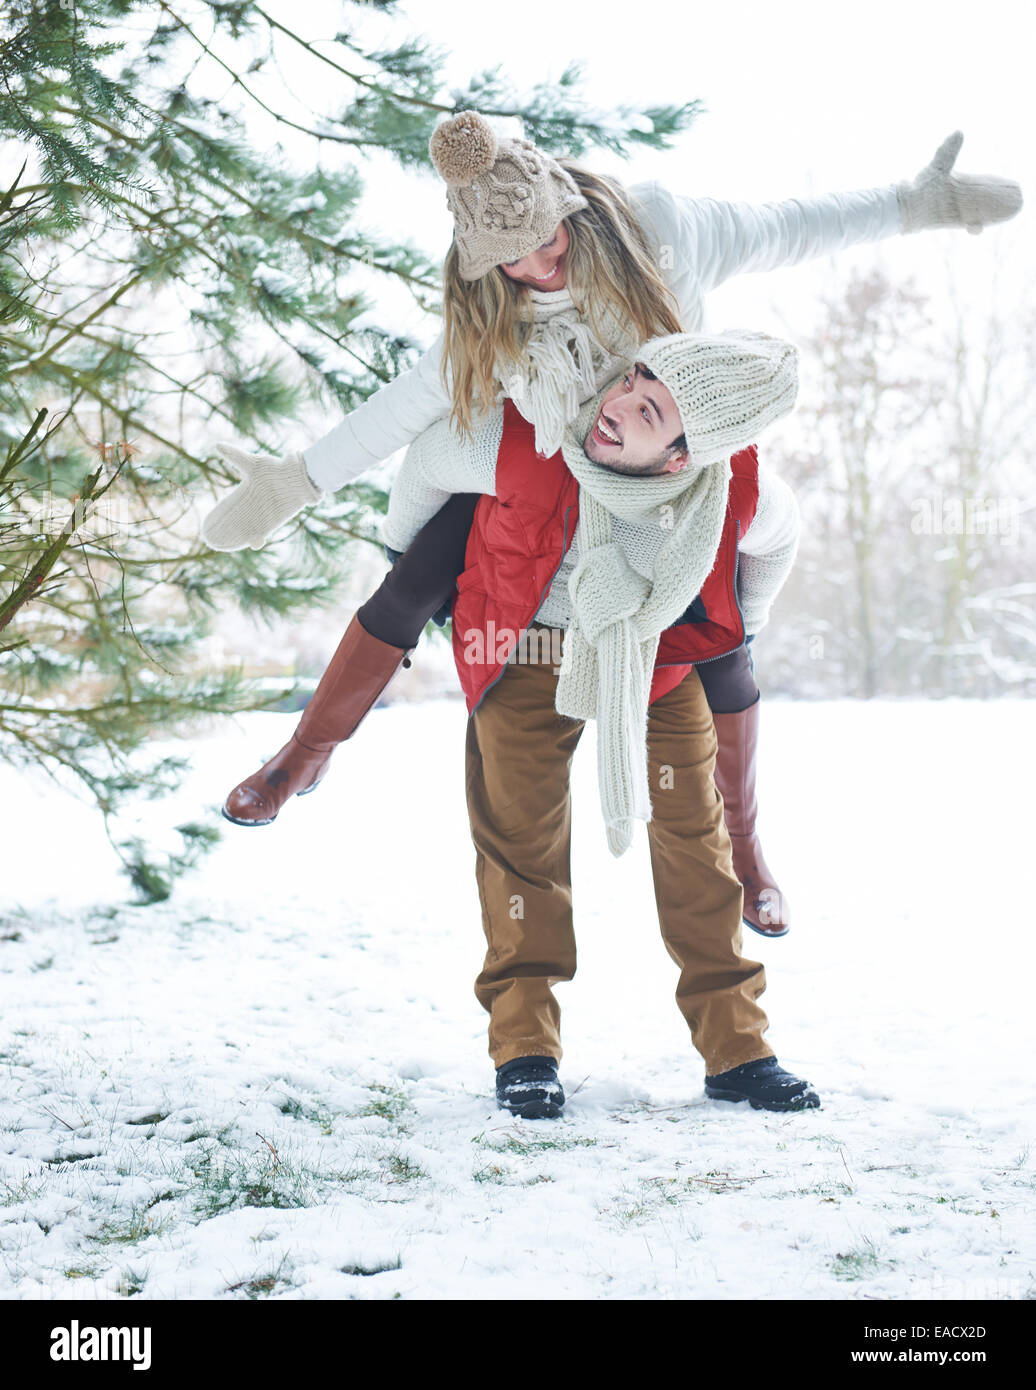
x=609 y=266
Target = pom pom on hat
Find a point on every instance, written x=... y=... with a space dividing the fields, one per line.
x=463 y=148
x=507 y=197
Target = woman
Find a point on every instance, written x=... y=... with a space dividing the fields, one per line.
x=555 y=273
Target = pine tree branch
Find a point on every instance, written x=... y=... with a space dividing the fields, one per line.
x=29 y=586
x=96 y=713
x=360 y=81
x=16 y=452
x=298 y=234
x=125 y=415
x=284 y=120
x=34 y=364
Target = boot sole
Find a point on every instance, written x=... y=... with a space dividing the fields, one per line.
x=535 y=1109
x=234 y=820
x=270 y=820
x=808 y=1100
x=761 y=931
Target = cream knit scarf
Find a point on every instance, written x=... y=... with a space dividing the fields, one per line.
x=563 y=364
x=618 y=615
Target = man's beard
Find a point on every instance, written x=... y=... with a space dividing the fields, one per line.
x=628 y=470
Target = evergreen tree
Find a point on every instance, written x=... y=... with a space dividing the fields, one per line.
x=164 y=282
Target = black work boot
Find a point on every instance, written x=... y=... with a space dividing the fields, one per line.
x=766 y=1084
x=529 y=1087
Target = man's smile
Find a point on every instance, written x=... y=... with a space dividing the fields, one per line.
x=604 y=434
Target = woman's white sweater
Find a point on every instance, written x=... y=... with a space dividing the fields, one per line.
x=442 y=461
x=698 y=242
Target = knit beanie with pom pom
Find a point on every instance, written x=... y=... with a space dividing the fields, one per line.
x=507 y=197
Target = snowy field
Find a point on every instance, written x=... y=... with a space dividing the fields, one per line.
x=277 y=1085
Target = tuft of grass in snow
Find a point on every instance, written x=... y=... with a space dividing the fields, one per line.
x=832 y=1191
x=654 y=1194
x=130 y=1283
x=319 y=1115
x=511 y=1144
x=491 y=1172
x=372 y=1269
x=262 y=1285
x=226 y=1182
x=862 y=1263
x=138 y=1225
x=387 y=1102
x=229 y=1183
x=404 y=1169
x=25 y=1191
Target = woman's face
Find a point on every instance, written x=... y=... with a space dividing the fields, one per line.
x=543 y=269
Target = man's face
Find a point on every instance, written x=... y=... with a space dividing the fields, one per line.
x=635 y=426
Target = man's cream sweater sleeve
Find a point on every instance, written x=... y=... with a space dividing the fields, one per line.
x=440 y=462
x=766 y=552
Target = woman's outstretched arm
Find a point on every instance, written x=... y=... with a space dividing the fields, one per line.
x=273 y=490
x=389 y=420
x=701 y=242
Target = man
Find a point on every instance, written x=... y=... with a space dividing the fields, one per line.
x=650 y=541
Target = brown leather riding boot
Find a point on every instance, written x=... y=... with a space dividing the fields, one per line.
x=356 y=675
x=766 y=908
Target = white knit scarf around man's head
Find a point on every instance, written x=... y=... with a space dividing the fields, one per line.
x=618 y=616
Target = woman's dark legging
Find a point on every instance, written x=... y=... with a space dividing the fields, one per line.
x=424 y=577
x=729 y=682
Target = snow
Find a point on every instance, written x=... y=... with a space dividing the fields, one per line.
x=278 y=1080
x=307 y=203
x=637 y=120
x=272 y=280
x=248 y=245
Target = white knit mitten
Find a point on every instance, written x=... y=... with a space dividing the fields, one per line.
x=937 y=198
x=271 y=491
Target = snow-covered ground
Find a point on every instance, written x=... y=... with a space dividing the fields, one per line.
x=276 y=1084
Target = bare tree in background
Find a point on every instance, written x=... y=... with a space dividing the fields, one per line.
x=913 y=473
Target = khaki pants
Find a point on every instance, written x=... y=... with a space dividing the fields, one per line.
x=519 y=754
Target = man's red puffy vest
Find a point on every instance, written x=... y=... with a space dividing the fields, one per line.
x=519 y=538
